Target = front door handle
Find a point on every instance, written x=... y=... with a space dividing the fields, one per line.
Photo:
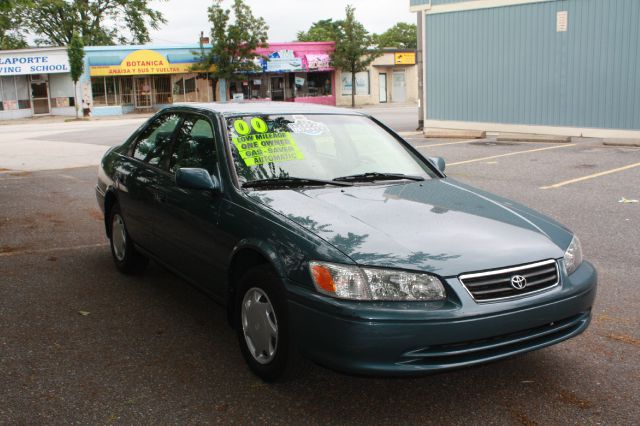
x=160 y=197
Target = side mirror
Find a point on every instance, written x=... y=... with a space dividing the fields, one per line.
x=439 y=163
x=192 y=178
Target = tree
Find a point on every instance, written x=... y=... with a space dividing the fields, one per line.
x=355 y=49
x=75 y=51
x=98 y=22
x=11 y=32
x=233 y=43
x=400 y=36
x=323 y=30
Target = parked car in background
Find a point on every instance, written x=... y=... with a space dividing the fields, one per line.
x=327 y=236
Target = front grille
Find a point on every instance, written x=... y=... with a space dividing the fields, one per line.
x=497 y=284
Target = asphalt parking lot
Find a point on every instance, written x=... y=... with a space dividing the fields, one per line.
x=80 y=343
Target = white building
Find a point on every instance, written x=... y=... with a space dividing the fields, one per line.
x=35 y=82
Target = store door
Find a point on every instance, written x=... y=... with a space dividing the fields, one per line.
x=40 y=97
x=277 y=88
x=383 y=88
x=399 y=87
x=142 y=92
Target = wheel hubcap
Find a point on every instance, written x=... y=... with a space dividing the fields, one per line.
x=260 y=325
x=118 y=237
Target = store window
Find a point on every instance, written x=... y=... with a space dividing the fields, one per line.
x=254 y=87
x=110 y=91
x=362 y=83
x=14 y=93
x=191 y=88
x=61 y=91
x=313 y=84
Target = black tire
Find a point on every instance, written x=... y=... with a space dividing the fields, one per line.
x=286 y=362
x=127 y=259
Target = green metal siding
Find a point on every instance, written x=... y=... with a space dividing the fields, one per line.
x=509 y=65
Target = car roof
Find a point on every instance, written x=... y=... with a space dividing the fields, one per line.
x=242 y=108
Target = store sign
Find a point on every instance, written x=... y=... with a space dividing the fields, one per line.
x=34 y=62
x=282 y=61
x=404 y=58
x=141 y=62
x=318 y=62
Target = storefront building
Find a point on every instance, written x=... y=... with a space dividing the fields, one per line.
x=291 y=72
x=35 y=82
x=391 y=78
x=123 y=79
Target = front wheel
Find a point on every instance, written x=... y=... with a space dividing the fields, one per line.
x=262 y=326
x=125 y=255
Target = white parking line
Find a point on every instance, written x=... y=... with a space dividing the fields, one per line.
x=511 y=153
x=595 y=175
x=446 y=143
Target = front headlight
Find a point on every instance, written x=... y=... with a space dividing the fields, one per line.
x=353 y=282
x=573 y=256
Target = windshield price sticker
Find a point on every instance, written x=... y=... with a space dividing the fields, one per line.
x=263 y=148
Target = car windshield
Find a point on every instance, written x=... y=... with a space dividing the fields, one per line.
x=318 y=149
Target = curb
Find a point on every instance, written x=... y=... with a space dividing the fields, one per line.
x=454 y=134
x=410 y=134
x=524 y=137
x=622 y=142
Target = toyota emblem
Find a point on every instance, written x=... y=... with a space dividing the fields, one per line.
x=518 y=282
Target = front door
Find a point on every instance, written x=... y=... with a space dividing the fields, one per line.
x=277 y=88
x=383 y=88
x=399 y=87
x=40 y=97
x=142 y=92
x=189 y=236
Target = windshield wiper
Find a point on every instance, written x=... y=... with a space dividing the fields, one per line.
x=291 y=181
x=373 y=176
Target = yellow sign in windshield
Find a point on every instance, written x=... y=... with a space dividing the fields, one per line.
x=263 y=148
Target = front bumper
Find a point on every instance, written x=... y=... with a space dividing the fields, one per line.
x=407 y=339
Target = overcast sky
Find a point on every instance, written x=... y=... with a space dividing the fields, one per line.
x=186 y=18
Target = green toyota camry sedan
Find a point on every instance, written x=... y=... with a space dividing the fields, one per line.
x=328 y=237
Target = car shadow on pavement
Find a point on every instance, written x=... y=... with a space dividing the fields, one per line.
x=151 y=347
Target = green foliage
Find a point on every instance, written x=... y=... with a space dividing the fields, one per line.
x=233 y=43
x=98 y=22
x=400 y=36
x=11 y=31
x=355 y=48
x=323 y=30
x=75 y=51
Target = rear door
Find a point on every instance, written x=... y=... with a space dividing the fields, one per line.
x=139 y=176
x=189 y=236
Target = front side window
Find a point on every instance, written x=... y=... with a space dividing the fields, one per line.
x=321 y=147
x=194 y=146
x=154 y=141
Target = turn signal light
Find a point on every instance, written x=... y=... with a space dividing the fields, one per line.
x=323 y=278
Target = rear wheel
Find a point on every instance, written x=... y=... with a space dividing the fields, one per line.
x=262 y=326
x=127 y=259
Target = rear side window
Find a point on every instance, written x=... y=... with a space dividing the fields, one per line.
x=194 y=146
x=154 y=141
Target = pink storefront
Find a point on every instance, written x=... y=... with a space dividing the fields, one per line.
x=293 y=72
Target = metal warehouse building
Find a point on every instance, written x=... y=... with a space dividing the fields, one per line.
x=569 y=67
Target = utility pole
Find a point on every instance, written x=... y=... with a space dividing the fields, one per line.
x=420 y=61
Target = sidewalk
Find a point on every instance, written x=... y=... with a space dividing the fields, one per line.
x=49 y=119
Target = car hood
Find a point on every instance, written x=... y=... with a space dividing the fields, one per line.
x=438 y=225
